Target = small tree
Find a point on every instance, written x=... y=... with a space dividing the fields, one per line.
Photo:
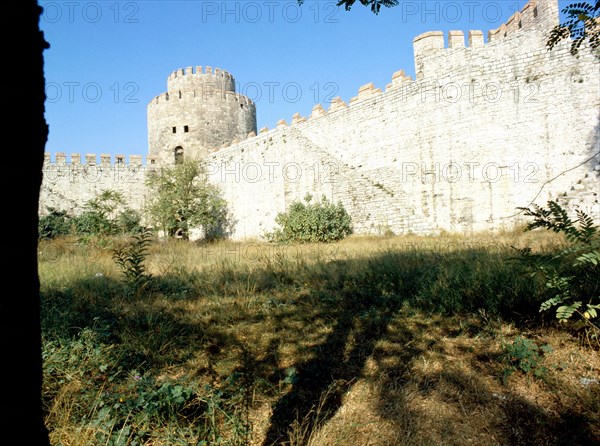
x=106 y=204
x=322 y=221
x=181 y=199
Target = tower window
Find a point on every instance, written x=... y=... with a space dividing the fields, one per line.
x=174 y=129
x=186 y=129
x=178 y=155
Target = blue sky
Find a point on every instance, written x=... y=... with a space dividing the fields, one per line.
x=108 y=59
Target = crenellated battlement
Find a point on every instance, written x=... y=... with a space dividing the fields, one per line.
x=193 y=78
x=541 y=15
x=429 y=46
x=367 y=91
x=432 y=43
x=198 y=71
x=207 y=94
x=199 y=113
x=91 y=159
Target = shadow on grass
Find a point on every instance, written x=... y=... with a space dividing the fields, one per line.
x=455 y=402
x=336 y=312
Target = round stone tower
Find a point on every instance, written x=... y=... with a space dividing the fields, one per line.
x=199 y=113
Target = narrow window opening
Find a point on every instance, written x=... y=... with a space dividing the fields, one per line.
x=178 y=155
x=180 y=95
x=186 y=129
x=174 y=129
x=152 y=161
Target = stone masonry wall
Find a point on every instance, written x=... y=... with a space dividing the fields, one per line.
x=485 y=128
x=69 y=183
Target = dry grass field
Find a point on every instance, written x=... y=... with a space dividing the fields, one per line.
x=368 y=341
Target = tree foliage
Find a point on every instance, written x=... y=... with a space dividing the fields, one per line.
x=375 y=5
x=571 y=275
x=106 y=214
x=582 y=24
x=181 y=199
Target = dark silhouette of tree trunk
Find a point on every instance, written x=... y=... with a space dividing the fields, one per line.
x=20 y=337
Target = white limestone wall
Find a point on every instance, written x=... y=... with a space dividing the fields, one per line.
x=69 y=182
x=484 y=129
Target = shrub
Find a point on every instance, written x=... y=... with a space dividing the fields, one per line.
x=571 y=276
x=129 y=222
x=106 y=214
x=322 y=221
x=55 y=224
x=92 y=223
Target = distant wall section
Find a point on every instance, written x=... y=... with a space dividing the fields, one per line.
x=69 y=182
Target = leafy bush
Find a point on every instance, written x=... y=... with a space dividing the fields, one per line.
x=322 y=221
x=92 y=223
x=55 y=224
x=105 y=215
x=571 y=276
x=524 y=355
x=129 y=221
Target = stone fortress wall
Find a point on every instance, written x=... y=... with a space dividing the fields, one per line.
x=483 y=129
x=70 y=182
